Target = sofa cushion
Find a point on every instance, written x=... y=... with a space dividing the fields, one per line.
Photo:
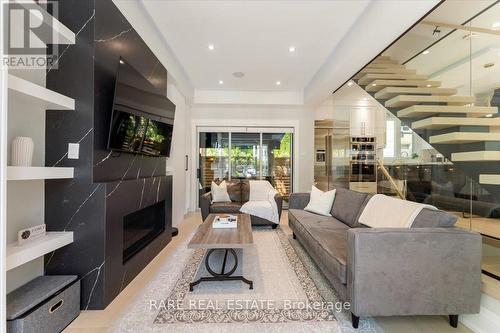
x=245 y=190
x=331 y=247
x=225 y=207
x=348 y=205
x=234 y=190
x=308 y=219
x=428 y=218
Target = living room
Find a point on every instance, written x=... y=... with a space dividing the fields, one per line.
x=274 y=166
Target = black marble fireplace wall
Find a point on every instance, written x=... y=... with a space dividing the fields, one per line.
x=106 y=186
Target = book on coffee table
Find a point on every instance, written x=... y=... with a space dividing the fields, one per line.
x=225 y=221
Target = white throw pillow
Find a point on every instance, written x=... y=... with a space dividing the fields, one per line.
x=219 y=192
x=320 y=202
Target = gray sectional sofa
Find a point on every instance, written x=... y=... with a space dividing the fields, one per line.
x=431 y=268
x=239 y=193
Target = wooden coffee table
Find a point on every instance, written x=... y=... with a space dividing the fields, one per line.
x=222 y=240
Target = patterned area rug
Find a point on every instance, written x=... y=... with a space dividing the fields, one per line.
x=289 y=295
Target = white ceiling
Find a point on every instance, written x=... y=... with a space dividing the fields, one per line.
x=253 y=37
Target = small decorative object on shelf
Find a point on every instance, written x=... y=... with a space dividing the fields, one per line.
x=30 y=234
x=22 y=151
x=225 y=221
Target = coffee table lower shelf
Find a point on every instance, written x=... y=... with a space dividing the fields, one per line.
x=223 y=275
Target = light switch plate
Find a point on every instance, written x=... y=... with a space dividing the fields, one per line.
x=73 y=151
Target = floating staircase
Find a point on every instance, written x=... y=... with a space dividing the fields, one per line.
x=369 y=78
x=390 y=92
x=467 y=134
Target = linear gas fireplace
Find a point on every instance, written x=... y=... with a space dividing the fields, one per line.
x=141 y=227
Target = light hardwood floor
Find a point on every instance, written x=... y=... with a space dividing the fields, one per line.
x=99 y=321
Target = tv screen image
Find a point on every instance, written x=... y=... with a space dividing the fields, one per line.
x=142 y=118
x=157 y=138
x=128 y=131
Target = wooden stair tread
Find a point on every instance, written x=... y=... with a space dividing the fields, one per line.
x=385 y=65
x=489 y=179
x=378 y=85
x=384 y=71
x=416 y=111
x=445 y=122
x=473 y=156
x=369 y=78
x=384 y=61
x=463 y=137
x=390 y=92
x=407 y=100
x=383 y=57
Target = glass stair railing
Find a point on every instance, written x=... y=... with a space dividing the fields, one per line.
x=463 y=129
x=466 y=134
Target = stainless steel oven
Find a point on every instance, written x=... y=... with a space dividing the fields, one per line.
x=363 y=147
x=363 y=171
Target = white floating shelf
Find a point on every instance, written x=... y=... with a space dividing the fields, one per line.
x=489 y=179
x=52 y=31
x=19 y=255
x=33 y=173
x=31 y=92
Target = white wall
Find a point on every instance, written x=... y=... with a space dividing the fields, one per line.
x=3 y=181
x=254 y=115
x=180 y=148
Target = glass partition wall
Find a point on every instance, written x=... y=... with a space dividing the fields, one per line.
x=439 y=88
x=246 y=153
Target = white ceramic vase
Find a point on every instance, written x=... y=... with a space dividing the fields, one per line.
x=22 y=151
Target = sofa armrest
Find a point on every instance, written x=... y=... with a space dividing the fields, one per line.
x=279 y=202
x=424 y=271
x=205 y=202
x=299 y=200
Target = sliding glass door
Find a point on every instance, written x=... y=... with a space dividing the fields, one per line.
x=213 y=159
x=246 y=153
x=277 y=162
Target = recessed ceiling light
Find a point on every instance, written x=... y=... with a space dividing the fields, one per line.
x=426 y=52
x=221 y=82
x=291 y=49
x=350 y=83
x=374 y=84
x=429 y=85
x=489 y=115
x=278 y=83
x=238 y=75
x=121 y=62
x=211 y=47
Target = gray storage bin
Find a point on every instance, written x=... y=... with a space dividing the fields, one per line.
x=46 y=304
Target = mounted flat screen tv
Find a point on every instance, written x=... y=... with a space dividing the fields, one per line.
x=142 y=120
